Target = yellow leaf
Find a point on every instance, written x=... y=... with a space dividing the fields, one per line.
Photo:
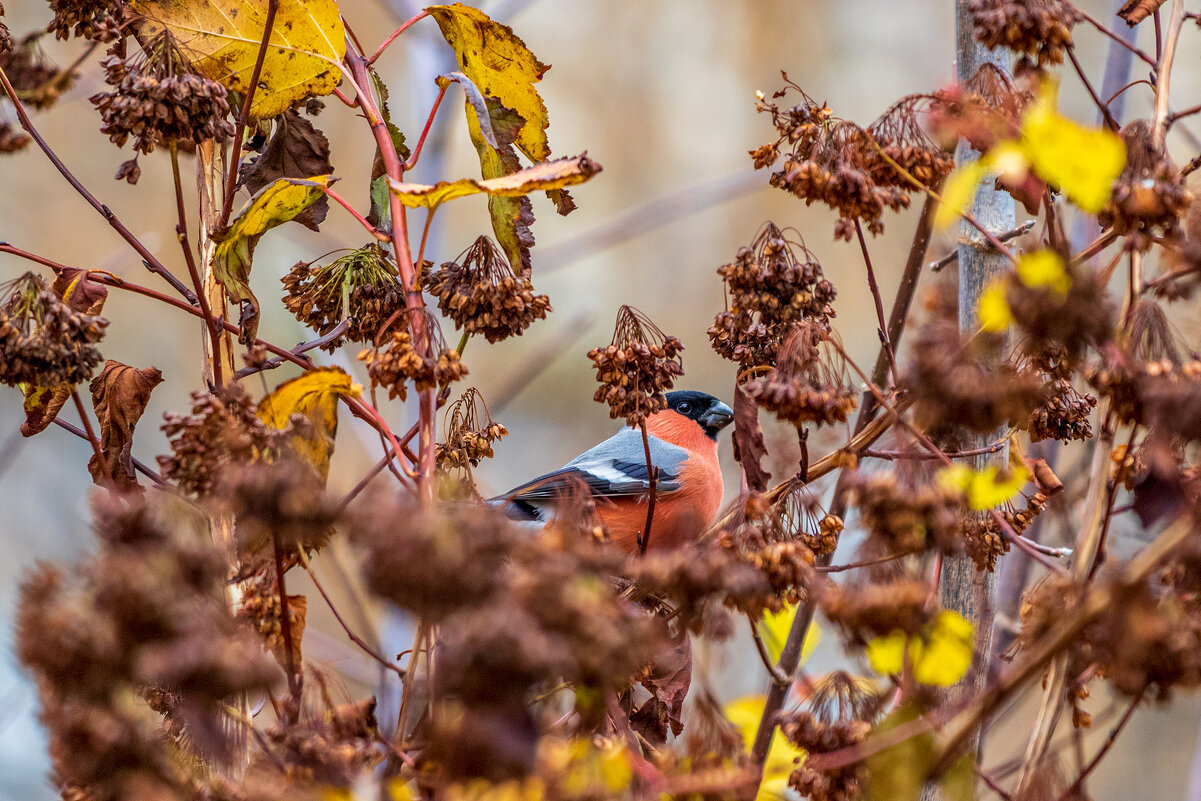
x=303 y=58
x=1082 y=162
x=993 y=311
x=782 y=755
x=547 y=175
x=42 y=405
x=774 y=627
x=1044 y=268
x=946 y=650
x=314 y=395
x=958 y=191
x=886 y=654
x=499 y=63
x=272 y=205
x=985 y=488
x=939 y=655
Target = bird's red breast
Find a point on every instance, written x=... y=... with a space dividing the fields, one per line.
x=680 y=516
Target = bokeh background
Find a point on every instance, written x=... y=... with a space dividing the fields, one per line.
x=662 y=95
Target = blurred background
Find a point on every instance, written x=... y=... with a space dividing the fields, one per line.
x=662 y=95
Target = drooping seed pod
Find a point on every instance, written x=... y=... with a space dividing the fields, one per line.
x=637 y=367
x=43 y=340
x=400 y=357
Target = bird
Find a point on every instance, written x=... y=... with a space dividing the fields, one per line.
x=688 y=488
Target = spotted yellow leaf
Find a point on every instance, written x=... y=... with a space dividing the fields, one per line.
x=547 y=175
x=315 y=396
x=500 y=64
x=303 y=58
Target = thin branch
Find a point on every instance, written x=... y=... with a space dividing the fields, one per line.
x=652 y=477
x=1108 y=744
x=1103 y=108
x=153 y=264
x=285 y=626
x=303 y=347
x=181 y=232
x=1013 y=233
x=392 y=38
x=356 y=639
x=882 y=331
x=429 y=122
x=1163 y=78
x=235 y=156
x=90 y=432
x=1103 y=29
x=880 y=560
x=778 y=676
x=371 y=229
x=137 y=465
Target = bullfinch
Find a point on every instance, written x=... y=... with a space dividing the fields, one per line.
x=688 y=491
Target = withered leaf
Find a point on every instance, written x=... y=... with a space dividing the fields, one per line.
x=298 y=607
x=119 y=396
x=42 y=405
x=1135 y=11
x=314 y=395
x=543 y=176
x=668 y=681
x=296 y=149
x=749 y=447
x=511 y=216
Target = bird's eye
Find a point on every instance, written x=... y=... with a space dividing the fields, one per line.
x=684 y=408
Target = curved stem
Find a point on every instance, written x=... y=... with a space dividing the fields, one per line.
x=392 y=38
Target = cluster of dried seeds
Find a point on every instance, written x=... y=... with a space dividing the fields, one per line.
x=98 y=20
x=359 y=287
x=1063 y=413
x=771 y=285
x=804 y=386
x=469 y=434
x=397 y=362
x=1149 y=197
x=38 y=82
x=1039 y=29
x=637 y=368
x=839 y=714
x=909 y=517
x=983 y=539
x=482 y=295
x=43 y=341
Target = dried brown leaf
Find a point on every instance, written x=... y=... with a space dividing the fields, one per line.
x=1135 y=11
x=119 y=396
x=295 y=150
x=749 y=447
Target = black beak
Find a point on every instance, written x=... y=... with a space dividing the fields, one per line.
x=718 y=417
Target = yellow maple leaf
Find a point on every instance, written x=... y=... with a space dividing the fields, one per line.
x=500 y=64
x=315 y=395
x=1045 y=269
x=993 y=310
x=1082 y=162
x=985 y=488
x=308 y=41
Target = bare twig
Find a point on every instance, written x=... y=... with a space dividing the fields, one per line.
x=778 y=676
x=391 y=38
x=97 y=448
x=137 y=465
x=1013 y=233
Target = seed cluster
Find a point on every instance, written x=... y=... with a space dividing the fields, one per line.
x=804 y=387
x=482 y=295
x=470 y=434
x=399 y=362
x=38 y=82
x=1063 y=413
x=1150 y=196
x=1039 y=29
x=12 y=138
x=982 y=537
x=839 y=164
x=910 y=516
x=158 y=99
x=637 y=367
x=872 y=610
x=771 y=285
x=360 y=287
x=98 y=20
x=984 y=109
x=43 y=341
x=815 y=736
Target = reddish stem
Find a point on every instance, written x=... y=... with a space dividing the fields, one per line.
x=231 y=179
x=425 y=132
x=371 y=229
x=97 y=448
x=404 y=27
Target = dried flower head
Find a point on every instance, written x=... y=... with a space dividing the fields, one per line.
x=399 y=360
x=98 y=20
x=771 y=285
x=470 y=432
x=482 y=295
x=1149 y=196
x=806 y=385
x=983 y=537
x=283 y=500
x=1039 y=29
x=983 y=110
x=839 y=714
x=43 y=340
x=904 y=514
x=159 y=99
x=223 y=430
x=1063 y=413
x=38 y=82
x=639 y=365
x=872 y=610
x=359 y=287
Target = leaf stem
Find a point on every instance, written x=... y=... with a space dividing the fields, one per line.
x=392 y=38
x=882 y=331
x=652 y=477
x=425 y=132
x=235 y=156
x=371 y=229
x=97 y=448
